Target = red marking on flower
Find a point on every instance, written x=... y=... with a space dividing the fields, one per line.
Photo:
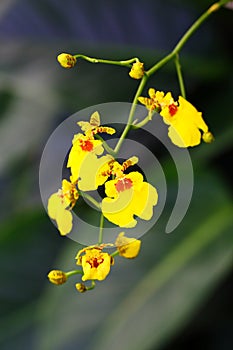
x=86 y=145
x=172 y=109
x=123 y=184
x=95 y=262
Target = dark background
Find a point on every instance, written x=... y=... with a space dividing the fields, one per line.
x=146 y=303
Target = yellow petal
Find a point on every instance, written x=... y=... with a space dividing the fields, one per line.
x=144 y=201
x=54 y=205
x=190 y=114
x=127 y=247
x=184 y=135
x=91 y=172
x=119 y=210
x=58 y=212
x=64 y=221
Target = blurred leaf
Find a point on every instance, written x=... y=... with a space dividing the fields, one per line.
x=24 y=265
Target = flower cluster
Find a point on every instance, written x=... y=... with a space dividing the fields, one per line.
x=92 y=164
x=127 y=198
x=96 y=263
x=127 y=195
x=184 y=121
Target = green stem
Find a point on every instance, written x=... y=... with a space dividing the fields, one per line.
x=125 y=63
x=162 y=62
x=90 y=199
x=115 y=253
x=180 y=76
x=73 y=272
x=92 y=286
x=131 y=113
x=100 y=241
x=105 y=145
x=143 y=122
x=186 y=36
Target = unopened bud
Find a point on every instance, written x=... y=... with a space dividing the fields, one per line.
x=81 y=288
x=57 y=277
x=137 y=70
x=208 y=137
x=66 y=60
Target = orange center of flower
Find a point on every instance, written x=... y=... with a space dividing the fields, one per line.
x=95 y=262
x=86 y=145
x=123 y=184
x=172 y=109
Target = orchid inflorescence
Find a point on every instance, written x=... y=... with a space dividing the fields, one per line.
x=92 y=163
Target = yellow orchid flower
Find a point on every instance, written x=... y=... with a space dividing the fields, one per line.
x=83 y=145
x=95 y=263
x=184 y=121
x=84 y=151
x=127 y=196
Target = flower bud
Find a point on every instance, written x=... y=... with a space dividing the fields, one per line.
x=137 y=70
x=57 y=277
x=208 y=137
x=81 y=288
x=66 y=60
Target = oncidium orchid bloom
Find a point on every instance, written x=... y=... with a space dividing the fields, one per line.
x=82 y=147
x=60 y=205
x=128 y=195
x=184 y=121
x=85 y=150
x=95 y=263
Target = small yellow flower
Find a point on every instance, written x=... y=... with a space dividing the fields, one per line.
x=84 y=152
x=57 y=277
x=66 y=60
x=127 y=196
x=156 y=100
x=82 y=147
x=81 y=288
x=127 y=247
x=184 y=121
x=95 y=263
x=137 y=70
x=59 y=205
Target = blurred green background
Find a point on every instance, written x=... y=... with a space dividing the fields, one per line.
x=178 y=293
